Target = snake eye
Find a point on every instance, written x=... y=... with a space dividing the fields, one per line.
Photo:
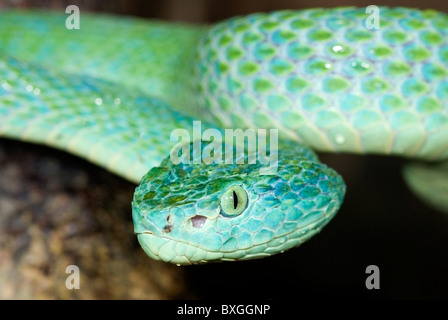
x=233 y=201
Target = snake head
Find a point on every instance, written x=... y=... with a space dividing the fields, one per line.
x=196 y=213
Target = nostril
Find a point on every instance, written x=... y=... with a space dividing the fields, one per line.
x=198 y=221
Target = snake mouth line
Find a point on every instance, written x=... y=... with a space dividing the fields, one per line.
x=184 y=253
x=145 y=232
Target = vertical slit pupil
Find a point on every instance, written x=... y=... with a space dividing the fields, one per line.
x=235 y=200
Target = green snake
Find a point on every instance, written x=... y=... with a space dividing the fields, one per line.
x=114 y=90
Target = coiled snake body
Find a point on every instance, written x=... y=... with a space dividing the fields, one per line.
x=114 y=90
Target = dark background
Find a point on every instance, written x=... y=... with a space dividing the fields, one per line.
x=209 y=11
x=381 y=222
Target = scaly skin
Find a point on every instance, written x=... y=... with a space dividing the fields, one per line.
x=318 y=75
x=284 y=209
x=324 y=79
x=154 y=57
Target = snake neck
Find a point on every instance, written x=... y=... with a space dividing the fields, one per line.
x=153 y=56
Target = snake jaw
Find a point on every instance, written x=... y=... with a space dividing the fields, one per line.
x=152 y=244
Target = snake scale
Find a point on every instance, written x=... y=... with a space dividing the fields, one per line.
x=114 y=90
